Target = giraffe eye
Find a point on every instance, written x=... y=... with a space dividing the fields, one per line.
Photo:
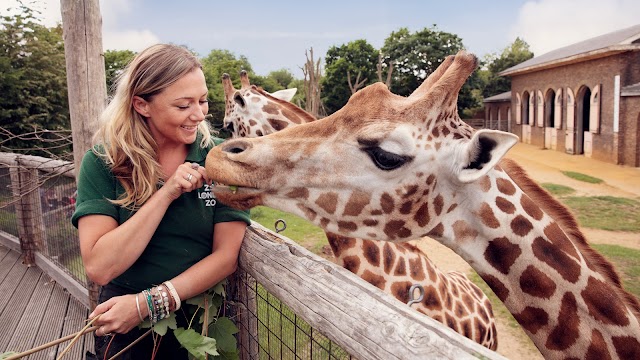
x=385 y=160
x=239 y=100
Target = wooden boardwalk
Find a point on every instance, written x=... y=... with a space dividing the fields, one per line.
x=35 y=310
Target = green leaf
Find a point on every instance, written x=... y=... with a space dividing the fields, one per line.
x=7 y=354
x=219 y=288
x=223 y=330
x=196 y=344
x=161 y=326
x=227 y=355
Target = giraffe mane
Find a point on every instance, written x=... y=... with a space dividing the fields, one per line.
x=289 y=105
x=569 y=225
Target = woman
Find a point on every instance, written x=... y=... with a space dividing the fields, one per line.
x=151 y=232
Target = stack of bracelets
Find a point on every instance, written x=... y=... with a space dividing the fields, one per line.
x=161 y=300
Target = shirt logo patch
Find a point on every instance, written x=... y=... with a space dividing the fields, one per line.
x=207 y=196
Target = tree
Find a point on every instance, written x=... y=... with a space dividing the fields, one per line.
x=512 y=55
x=114 y=63
x=415 y=56
x=345 y=64
x=33 y=85
x=216 y=63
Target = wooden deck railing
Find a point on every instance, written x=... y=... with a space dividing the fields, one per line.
x=361 y=319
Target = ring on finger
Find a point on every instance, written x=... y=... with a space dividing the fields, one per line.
x=189 y=177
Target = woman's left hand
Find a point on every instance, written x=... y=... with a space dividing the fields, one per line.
x=117 y=315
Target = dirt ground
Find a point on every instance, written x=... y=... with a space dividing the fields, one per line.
x=545 y=166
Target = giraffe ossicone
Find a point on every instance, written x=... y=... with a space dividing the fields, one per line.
x=449 y=297
x=396 y=168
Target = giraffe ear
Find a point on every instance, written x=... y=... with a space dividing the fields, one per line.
x=483 y=152
x=286 y=94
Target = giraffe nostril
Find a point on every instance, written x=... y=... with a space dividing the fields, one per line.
x=236 y=146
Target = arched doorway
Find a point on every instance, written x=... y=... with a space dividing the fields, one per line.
x=583 y=102
x=527 y=117
x=549 y=119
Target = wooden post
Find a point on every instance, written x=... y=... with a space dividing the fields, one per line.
x=86 y=80
x=28 y=211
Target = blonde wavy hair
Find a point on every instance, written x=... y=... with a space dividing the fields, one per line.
x=129 y=149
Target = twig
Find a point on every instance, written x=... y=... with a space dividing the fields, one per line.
x=50 y=344
x=78 y=334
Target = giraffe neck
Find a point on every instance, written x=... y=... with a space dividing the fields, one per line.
x=564 y=294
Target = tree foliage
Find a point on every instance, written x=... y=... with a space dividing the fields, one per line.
x=356 y=57
x=512 y=55
x=33 y=81
x=114 y=63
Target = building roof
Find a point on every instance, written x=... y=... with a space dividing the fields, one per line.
x=631 y=90
x=505 y=96
x=604 y=45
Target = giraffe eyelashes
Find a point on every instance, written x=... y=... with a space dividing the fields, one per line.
x=385 y=160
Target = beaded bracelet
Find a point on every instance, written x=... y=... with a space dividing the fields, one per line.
x=160 y=302
x=153 y=316
x=174 y=294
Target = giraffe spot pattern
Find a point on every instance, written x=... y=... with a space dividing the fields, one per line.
x=270 y=108
x=463 y=231
x=431 y=299
x=388 y=256
x=566 y=333
x=438 y=203
x=437 y=231
x=386 y=203
x=410 y=191
x=536 y=283
x=347 y=226
x=450 y=209
x=485 y=183
x=328 y=202
x=497 y=286
x=400 y=290
x=309 y=213
x=416 y=270
x=278 y=124
x=557 y=259
x=422 y=215
x=374 y=279
x=501 y=254
x=532 y=319
x=505 y=186
x=401 y=268
x=627 y=347
x=505 y=205
x=370 y=222
x=396 y=228
x=530 y=207
x=598 y=349
x=521 y=226
x=598 y=297
x=340 y=244
x=560 y=239
x=356 y=203
x=371 y=252
x=298 y=193
x=351 y=263
x=406 y=207
x=451 y=322
x=487 y=217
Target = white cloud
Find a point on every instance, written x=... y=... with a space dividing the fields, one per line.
x=550 y=24
x=113 y=38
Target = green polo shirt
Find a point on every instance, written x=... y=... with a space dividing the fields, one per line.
x=183 y=237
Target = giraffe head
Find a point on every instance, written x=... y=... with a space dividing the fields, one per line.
x=252 y=111
x=379 y=168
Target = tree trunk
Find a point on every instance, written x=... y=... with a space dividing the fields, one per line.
x=86 y=81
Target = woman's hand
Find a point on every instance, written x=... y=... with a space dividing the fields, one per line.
x=186 y=178
x=117 y=315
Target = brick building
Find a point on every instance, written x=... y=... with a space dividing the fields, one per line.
x=583 y=99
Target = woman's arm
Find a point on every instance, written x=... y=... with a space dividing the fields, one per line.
x=119 y=314
x=108 y=249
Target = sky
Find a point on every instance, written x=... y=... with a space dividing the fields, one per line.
x=276 y=35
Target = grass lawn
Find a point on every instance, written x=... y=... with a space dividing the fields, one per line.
x=605 y=212
x=558 y=190
x=626 y=261
x=582 y=177
x=298 y=229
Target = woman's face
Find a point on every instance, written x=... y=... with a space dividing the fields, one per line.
x=173 y=115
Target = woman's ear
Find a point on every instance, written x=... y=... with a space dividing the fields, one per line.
x=141 y=106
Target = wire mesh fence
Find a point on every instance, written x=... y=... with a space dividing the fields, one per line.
x=271 y=330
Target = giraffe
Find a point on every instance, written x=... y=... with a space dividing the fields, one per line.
x=398 y=168
x=449 y=297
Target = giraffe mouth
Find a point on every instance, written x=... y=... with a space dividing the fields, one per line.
x=242 y=198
